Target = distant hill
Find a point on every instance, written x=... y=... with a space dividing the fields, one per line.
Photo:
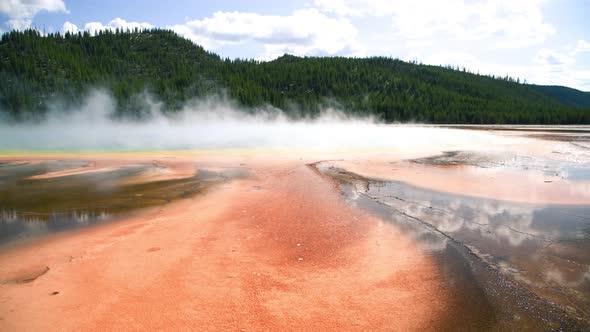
x=568 y=96
x=37 y=71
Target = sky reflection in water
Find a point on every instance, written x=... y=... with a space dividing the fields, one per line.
x=545 y=246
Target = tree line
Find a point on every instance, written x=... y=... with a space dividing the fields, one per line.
x=39 y=70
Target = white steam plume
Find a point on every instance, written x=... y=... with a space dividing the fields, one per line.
x=212 y=124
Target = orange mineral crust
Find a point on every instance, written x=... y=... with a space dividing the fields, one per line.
x=277 y=251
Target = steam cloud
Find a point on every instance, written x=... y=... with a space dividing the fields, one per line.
x=215 y=124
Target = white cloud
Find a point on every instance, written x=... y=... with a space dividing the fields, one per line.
x=304 y=32
x=507 y=23
x=357 y=7
x=558 y=68
x=21 y=12
x=500 y=37
x=582 y=46
x=548 y=67
x=70 y=27
x=117 y=23
x=551 y=58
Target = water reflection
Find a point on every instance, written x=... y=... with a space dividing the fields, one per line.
x=19 y=225
x=548 y=167
x=34 y=206
x=544 y=246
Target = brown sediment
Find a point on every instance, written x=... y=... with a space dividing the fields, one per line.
x=160 y=170
x=115 y=189
x=279 y=252
x=26 y=275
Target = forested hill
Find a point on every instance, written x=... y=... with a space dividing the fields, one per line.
x=37 y=70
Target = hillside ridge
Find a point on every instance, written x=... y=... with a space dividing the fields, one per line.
x=38 y=70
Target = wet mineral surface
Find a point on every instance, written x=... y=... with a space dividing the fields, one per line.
x=32 y=204
x=526 y=264
x=440 y=237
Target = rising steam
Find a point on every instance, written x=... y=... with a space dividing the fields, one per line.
x=215 y=124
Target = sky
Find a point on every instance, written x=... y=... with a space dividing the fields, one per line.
x=540 y=41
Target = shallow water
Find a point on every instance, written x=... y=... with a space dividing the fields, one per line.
x=492 y=251
x=30 y=207
x=551 y=168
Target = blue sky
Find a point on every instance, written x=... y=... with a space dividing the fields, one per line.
x=542 y=41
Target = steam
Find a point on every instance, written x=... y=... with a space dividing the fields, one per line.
x=218 y=124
